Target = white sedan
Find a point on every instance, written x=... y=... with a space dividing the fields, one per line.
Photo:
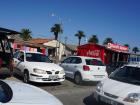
x=37 y=67
x=121 y=88
x=16 y=93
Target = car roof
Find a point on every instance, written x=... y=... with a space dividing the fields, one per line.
x=30 y=52
x=133 y=65
x=85 y=57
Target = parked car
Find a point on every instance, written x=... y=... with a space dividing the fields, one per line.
x=82 y=68
x=114 y=65
x=36 y=67
x=122 y=87
x=17 y=93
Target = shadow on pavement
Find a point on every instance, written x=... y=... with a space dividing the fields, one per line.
x=17 y=76
x=89 y=100
x=87 y=83
x=5 y=74
x=37 y=84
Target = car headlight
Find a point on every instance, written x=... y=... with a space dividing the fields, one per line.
x=62 y=72
x=132 y=97
x=99 y=86
x=39 y=71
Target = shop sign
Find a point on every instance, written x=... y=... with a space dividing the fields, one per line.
x=117 y=47
x=94 y=53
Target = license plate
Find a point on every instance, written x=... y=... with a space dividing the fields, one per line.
x=98 y=76
x=108 y=101
x=53 y=77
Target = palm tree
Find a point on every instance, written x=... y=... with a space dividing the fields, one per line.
x=135 y=49
x=127 y=45
x=56 y=29
x=93 y=39
x=80 y=34
x=108 y=40
x=26 y=34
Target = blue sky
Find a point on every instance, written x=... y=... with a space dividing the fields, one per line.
x=118 y=19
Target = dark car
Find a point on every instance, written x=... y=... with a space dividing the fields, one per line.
x=114 y=65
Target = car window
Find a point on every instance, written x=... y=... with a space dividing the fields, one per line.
x=16 y=54
x=6 y=93
x=127 y=74
x=76 y=60
x=36 y=57
x=94 y=62
x=21 y=56
x=67 y=60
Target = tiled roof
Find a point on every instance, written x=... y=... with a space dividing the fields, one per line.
x=39 y=40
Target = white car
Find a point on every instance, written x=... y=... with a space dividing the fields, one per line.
x=121 y=88
x=82 y=68
x=36 y=67
x=17 y=93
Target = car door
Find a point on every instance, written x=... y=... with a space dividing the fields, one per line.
x=75 y=65
x=66 y=65
x=19 y=63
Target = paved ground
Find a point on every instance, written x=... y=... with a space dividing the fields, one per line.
x=68 y=92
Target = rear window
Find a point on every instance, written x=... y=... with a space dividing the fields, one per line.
x=94 y=62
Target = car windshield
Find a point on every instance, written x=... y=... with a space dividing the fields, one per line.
x=127 y=74
x=36 y=57
x=94 y=62
x=6 y=93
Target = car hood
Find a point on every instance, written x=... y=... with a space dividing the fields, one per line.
x=28 y=94
x=120 y=89
x=44 y=65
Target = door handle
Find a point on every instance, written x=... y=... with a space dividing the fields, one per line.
x=75 y=66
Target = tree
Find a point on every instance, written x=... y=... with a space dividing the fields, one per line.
x=80 y=34
x=107 y=40
x=93 y=39
x=56 y=29
x=26 y=34
x=127 y=45
x=135 y=49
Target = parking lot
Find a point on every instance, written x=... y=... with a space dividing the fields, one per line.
x=68 y=92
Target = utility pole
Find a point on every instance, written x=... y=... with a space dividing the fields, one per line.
x=65 y=44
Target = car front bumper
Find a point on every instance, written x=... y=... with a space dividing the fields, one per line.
x=47 y=78
x=105 y=100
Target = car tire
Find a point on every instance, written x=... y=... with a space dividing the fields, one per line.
x=26 y=77
x=78 y=79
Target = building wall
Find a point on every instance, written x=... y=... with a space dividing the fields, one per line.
x=60 y=47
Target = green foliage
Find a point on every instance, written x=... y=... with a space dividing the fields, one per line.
x=135 y=49
x=94 y=39
x=127 y=45
x=56 y=29
x=80 y=34
x=26 y=34
x=107 y=40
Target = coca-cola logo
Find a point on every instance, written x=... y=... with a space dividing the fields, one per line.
x=95 y=53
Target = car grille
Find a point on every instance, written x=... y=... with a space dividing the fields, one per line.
x=49 y=72
x=57 y=72
x=110 y=95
